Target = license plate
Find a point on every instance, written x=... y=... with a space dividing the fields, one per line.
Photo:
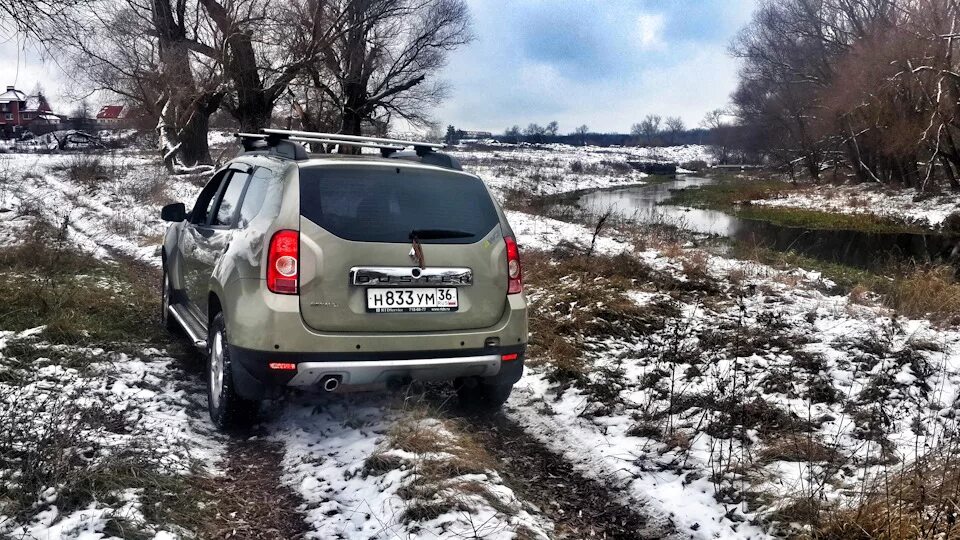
x=412 y=300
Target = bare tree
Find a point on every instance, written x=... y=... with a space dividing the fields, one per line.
x=30 y=18
x=581 y=133
x=383 y=64
x=263 y=47
x=715 y=121
x=535 y=132
x=141 y=50
x=674 y=127
x=514 y=133
x=647 y=129
x=552 y=129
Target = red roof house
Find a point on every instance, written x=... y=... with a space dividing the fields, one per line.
x=110 y=114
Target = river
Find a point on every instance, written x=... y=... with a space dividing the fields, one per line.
x=644 y=204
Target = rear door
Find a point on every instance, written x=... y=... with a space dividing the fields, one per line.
x=389 y=248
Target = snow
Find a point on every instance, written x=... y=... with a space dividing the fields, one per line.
x=556 y=168
x=904 y=205
x=114 y=216
x=325 y=461
x=137 y=390
x=600 y=445
x=326 y=440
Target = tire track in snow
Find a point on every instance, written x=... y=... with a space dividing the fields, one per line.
x=252 y=501
x=579 y=506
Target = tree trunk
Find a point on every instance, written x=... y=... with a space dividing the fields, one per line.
x=254 y=108
x=948 y=172
x=195 y=149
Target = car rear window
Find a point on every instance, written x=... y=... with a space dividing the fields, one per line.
x=387 y=204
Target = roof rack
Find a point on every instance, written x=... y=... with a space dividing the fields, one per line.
x=282 y=143
x=386 y=146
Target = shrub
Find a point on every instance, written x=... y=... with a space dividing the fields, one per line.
x=87 y=171
x=925 y=291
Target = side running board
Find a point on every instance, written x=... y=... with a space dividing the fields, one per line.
x=190 y=325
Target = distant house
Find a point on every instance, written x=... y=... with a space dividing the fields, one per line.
x=20 y=112
x=110 y=115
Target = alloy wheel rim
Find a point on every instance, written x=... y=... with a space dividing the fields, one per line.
x=216 y=369
x=165 y=297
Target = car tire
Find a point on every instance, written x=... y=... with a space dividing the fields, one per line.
x=483 y=398
x=166 y=293
x=228 y=410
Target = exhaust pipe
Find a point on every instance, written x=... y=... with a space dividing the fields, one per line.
x=330 y=382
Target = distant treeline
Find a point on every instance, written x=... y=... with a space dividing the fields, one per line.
x=651 y=131
x=857 y=88
x=690 y=136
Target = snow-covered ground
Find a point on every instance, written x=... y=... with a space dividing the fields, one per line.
x=116 y=209
x=872 y=392
x=556 y=168
x=752 y=388
x=93 y=406
x=351 y=457
x=904 y=205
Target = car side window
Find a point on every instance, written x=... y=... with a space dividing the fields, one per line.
x=208 y=196
x=255 y=195
x=230 y=199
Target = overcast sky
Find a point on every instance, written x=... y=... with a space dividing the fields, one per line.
x=604 y=63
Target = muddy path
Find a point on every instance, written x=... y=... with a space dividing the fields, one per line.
x=251 y=500
x=580 y=507
x=255 y=503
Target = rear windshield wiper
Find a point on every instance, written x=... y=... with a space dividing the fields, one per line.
x=428 y=234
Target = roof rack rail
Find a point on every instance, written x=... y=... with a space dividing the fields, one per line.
x=281 y=142
x=386 y=146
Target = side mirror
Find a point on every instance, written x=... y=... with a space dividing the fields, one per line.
x=174 y=212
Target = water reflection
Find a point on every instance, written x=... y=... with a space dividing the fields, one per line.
x=867 y=250
x=642 y=204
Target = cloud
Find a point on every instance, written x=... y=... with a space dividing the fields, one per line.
x=650 y=31
x=604 y=64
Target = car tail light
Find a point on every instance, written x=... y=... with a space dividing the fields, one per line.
x=514 y=271
x=283 y=262
x=509 y=357
x=282 y=366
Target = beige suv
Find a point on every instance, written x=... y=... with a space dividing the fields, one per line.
x=343 y=271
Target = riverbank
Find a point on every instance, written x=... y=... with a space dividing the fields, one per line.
x=791 y=205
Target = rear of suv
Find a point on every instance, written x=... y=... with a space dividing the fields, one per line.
x=344 y=272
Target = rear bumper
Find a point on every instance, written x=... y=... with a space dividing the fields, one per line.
x=262 y=321
x=254 y=379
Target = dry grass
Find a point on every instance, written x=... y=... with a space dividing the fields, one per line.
x=926 y=291
x=443 y=453
x=695 y=263
x=860 y=295
x=88 y=171
x=797 y=447
x=45 y=281
x=919 y=501
x=577 y=298
x=150 y=186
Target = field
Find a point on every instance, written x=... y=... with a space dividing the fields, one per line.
x=675 y=388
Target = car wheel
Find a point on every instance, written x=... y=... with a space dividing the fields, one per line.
x=483 y=398
x=228 y=409
x=166 y=293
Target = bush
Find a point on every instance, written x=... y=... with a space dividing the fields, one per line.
x=925 y=291
x=87 y=171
